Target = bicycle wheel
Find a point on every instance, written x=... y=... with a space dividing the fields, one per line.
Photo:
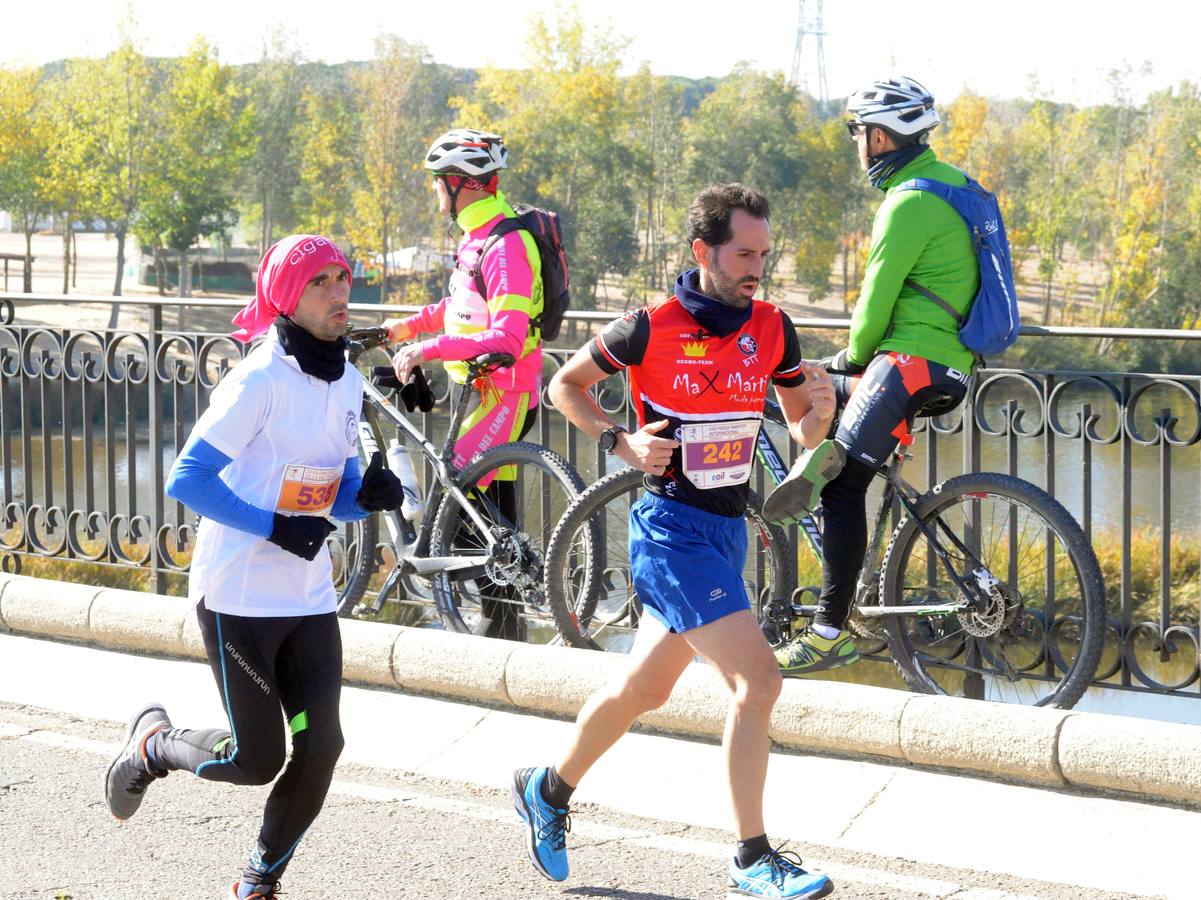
x=1038 y=636
x=511 y=581
x=352 y=551
x=588 y=582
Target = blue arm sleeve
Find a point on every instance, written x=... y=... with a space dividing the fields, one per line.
x=195 y=481
x=344 y=506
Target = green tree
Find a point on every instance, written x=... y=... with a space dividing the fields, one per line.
x=657 y=112
x=746 y=131
x=829 y=211
x=123 y=91
x=70 y=182
x=190 y=185
x=25 y=134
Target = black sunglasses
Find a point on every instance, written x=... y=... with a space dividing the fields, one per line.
x=854 y=128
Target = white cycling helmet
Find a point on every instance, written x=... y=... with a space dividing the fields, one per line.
x=465 y=151
x=900 y=105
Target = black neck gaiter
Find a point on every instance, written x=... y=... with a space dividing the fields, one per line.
x=888 y=164
x=710 y=313
x=321 y=359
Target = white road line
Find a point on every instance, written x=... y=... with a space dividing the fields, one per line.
x=595 y=831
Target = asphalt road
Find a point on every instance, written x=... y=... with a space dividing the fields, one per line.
x=383 y=833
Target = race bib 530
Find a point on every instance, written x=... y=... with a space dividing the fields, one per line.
x=309 y=490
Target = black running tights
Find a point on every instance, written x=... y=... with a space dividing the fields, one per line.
x=275 y=675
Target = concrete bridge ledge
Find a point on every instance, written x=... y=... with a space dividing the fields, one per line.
x=427 y=661
x=132 y=620
x=1136 y=756
x=829 y=716
x=55 y=608
x=999 y=739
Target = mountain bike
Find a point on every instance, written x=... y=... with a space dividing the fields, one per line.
x=467 y=548
x=986 y=587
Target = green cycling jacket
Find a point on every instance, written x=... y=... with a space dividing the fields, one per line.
x=919 y=236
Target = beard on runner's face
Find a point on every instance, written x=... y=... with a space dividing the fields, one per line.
x=728 y=288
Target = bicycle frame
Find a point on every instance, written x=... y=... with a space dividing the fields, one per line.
x=412 y=547
x=895 y=489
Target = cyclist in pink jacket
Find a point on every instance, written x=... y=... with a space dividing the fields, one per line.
x=469 y=321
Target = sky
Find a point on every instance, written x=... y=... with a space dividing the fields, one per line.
x=1069 y=46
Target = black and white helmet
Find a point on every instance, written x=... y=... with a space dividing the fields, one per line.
x=900 y=105
x=465 y=151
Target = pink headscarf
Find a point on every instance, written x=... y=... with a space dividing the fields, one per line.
x=285 y=270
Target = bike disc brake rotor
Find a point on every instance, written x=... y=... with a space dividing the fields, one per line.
x=516 y=563
x=994 y=614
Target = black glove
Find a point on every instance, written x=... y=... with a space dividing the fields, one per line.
x=381 y=488
x=417 y=394
x=838 y=364
x=414 y=395
x=302 y=536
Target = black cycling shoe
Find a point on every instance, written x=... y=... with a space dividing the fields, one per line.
x=129 y=774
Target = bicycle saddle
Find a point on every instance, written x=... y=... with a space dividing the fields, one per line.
x=938 y=403
x=486 y=362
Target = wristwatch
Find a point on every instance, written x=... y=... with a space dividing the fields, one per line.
x=608 y=438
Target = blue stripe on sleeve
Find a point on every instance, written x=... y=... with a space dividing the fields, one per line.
x=345 y=507
x=195 y=481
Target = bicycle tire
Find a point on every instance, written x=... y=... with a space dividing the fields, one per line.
x=543 y=476
x=1078 y=599
x=575 y=581
x=359 y=540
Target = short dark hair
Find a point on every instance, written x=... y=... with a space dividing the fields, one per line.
x=709 y=214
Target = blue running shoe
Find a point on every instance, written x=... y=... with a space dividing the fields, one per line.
x=546 y=825
x=777 y=874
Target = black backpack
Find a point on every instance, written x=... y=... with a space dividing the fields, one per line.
x=543 y=225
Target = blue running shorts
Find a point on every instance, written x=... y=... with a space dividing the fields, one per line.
x=686 y=563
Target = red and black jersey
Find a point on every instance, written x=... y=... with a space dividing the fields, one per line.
x=710 y=388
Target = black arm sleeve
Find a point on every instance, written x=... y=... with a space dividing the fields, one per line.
x=788 y=372
x=623 y=342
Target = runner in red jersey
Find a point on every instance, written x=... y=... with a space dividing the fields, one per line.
x=700 y=364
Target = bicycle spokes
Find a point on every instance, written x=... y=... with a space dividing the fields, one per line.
x=1009 y=572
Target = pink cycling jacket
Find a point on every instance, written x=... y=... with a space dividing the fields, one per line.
x=499 y=322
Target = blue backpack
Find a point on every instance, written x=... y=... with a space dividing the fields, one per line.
x=992 y=322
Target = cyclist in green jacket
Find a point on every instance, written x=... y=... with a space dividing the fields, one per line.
x=904 y=350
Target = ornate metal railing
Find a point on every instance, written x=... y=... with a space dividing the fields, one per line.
x=92 y=416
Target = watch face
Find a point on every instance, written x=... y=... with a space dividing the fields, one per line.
x=608 y=440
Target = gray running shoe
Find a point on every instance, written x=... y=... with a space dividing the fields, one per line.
x=130 y=774
x=801 y=490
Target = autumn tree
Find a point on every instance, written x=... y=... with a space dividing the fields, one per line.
x=564 y=119
x=271 y=175
x=325 y=135
x=394 y=97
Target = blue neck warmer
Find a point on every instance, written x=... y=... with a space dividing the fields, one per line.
x=892 y=162
x=710 y=313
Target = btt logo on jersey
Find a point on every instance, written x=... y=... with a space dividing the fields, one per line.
x=352 y=428
x=747 y=344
